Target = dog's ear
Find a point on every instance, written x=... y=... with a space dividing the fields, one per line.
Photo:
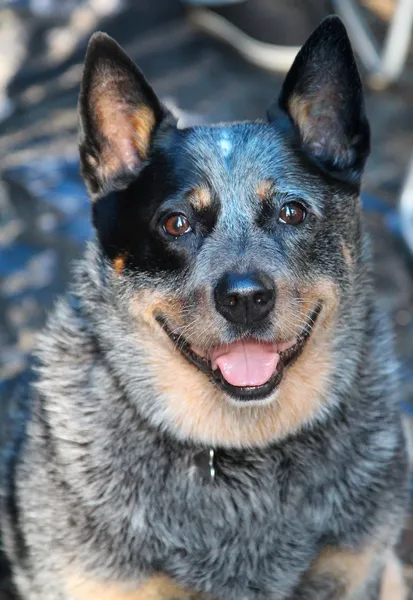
x=323 y=96
x=119 y=114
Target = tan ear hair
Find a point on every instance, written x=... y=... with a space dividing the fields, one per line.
x=119 y=115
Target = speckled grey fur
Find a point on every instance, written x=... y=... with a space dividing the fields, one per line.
x=97 y=484
x=101 y=482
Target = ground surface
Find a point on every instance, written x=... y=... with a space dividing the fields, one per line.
x=43 y=206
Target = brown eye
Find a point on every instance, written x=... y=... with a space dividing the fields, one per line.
x=177 y=225
x=292 y=213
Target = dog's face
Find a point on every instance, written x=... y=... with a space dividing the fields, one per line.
x=239 y=240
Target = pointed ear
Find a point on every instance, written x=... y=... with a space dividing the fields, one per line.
x=119 y=114
x=323 y=97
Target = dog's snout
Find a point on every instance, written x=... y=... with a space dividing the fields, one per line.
x=245 y=298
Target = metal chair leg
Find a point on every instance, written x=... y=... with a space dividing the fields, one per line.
x=406 y=208
x=396 y=46
x=386 y=67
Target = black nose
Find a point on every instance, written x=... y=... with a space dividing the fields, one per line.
x=244 y=297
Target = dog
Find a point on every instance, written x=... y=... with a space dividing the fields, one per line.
x=215 y=413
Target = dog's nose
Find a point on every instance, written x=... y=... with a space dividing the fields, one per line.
x=245 y=298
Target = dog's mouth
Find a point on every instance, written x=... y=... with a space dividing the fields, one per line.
x=247 y=369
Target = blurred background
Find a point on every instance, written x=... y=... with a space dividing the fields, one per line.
x=44 y=210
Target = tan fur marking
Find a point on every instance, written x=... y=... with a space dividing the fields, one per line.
x=309 y=113
x=119 y=264
x=300 y=111
x=196 y=409
x=148 y=304
x=351 y=568
x=200 y=198
x=116 y=127
x=393 y=586
x=158 y=587
x=127 y=134
x=143 y=120
x=356 y=569
x=264 y=189
x=347 y=255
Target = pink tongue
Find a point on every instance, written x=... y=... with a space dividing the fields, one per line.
x=246 y=363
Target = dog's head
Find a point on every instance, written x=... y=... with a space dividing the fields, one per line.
x=239 y=241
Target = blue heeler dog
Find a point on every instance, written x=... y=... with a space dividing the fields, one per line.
x=215 y=415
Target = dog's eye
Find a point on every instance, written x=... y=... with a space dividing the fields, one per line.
x=292 y=213
x=177 y=225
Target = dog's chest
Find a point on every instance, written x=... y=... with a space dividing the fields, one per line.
x=236 y=527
